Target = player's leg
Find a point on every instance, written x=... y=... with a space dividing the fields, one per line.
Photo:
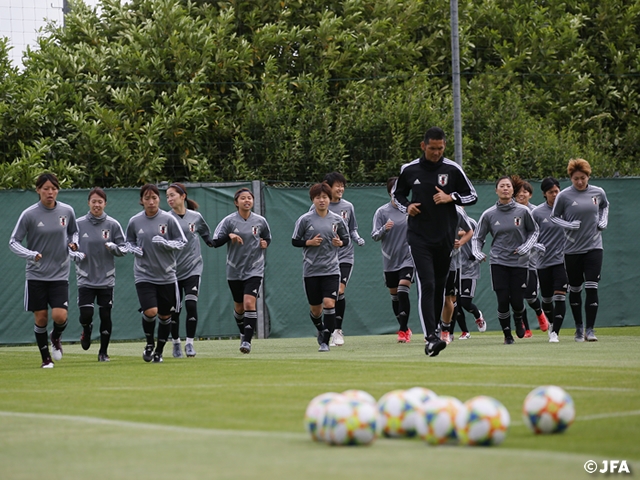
x=168 y=301
x=35 y=301
x=86 y=297
x=517 y=277
x=592 y=270
x=574 y=265
x=175 y=324
x=58 y=298
x=500 y=285
x=191 y=295
x=105 y=305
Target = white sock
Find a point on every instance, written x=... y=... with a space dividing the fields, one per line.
x=189 y=341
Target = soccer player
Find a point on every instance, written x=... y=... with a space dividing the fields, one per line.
x=469 y=276
x=436 y=185
x=524 y=192
x=154 y=237
x=463 y=236
x=514 y=234
x=100 y=240
x=390 y=229
x=51 y=232
x=346 y=255
x=247 y=236
x=583 y=211
x=321 y=233
x=188 y=264
x=551 y=272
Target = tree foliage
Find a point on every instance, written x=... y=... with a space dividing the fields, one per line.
x=151 y=90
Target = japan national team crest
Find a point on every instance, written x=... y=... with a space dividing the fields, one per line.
x=517 y=221
x=334 y=227
x=63 y=220
x=192 y=227
x=255 y=230
x=443 y=179
x=106 y=234
x=595 y=199
x=343 y=214
x=162 y=229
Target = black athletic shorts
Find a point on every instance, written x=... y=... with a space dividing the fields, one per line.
x=552 y=279
x=189 y=287
x=164 y=297
x=345 y=272
x=319 y=288
x=451 y=288
x=531 y=289
x=507 y=278
x=86 y=296
x=392 y=279
x=41 y=294
x=240 y=288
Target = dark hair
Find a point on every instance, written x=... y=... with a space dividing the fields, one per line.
x=239 y=191
x=548 y=183
x=182 y=190
x=149 y=187
x=99 y=192
x=318 y=189
x=526 y=186
x=47 y=177
x=391 y=181
x=333 y=177
x=434 y=133
x=506 y=177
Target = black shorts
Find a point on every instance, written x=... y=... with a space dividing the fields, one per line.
x=451 y=288
x=583 y=267
x=41 y=294
x=345 y=272
x=468 y=288
x=507 y=278
x=319 y=288
x=552 y=279
x=86 y=296
x=240 y=288
x=531 y=288
x=189 y=287
x=392 y=279
x=165 y=297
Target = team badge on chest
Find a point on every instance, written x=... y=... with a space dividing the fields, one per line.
x=63 y=220
x=192 y=227
x=106 y=234
x=334 y=227
x=344 y=215
x=517 y=221
x=595 y=200
x=162 y=229
x=255 y=230
x=443 y=179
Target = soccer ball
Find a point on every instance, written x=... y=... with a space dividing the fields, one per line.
x=482 y=421
x=548 y=409
x=437 y=424
x=421 y=394
x=315 y=413
x=398 y=414
x=350 y=422
x=359 y=395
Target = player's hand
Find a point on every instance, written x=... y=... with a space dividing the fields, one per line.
x=360 y=241
x=456 y=243
x=38 y=257
x=336 y=242
x=389 y=225
x=413 y=209
x=236 y=239
x=73 y=247
x=315 y=241
x=441 y=197
x=263 y=243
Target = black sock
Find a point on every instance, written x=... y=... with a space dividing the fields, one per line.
x=105 y=328
x=149 y=327
x=42 y=341
x=175 y=325
x=317 y=322
x=460 y=318
x=329 y=318
x=525 y=320
x=505 y=323
x=394 y=304
x=58 y=328
x=191 y=306
x=164 y=329
x=250 y=324
x=575 y=302
x=341 y=304
x=535 y=304
x=590 y=306
x=559 y=311
x=404 y=304
x=239 y=318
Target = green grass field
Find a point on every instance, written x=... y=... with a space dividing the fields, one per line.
x=227 y=415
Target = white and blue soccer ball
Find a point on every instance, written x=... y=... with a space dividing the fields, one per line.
x=350 y=422
x=398 y=414
x=421 y=394
x=315 y=414
x=359 y=395
x=482 y=421
x=548 y=409
x=437 y=425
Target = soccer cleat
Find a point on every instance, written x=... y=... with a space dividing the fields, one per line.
x=338 y=337
x=544 y=323
x=402 y=337
x=331 y=342
x=509 y=340
x=189 y=350
x=323 y=347
x=520 y=329
x=445 y=336
x=56 y=348
x=103 y=357
x=320 y=337
x=579 y=335
x=48 y=363
x=245 y=347
x=434 y=346
x=407 y=335
x=590 y=336
x=464 y=336
x=147 y=355
x=482 y=325
x=553 y=337
x=528 y=334
x=177 y=350
x=85 y=337
x=157 y=358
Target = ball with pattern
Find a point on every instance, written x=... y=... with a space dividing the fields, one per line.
x=548 y=409
x=482 y=421
x=350 y=422
x=359 y=395
x=315 y=413
x=437 y=425
x=398 y=415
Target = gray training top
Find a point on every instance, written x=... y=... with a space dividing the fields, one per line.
x=99 y=239
x=345 y=210
x=551 y=236
x=189 y=259
x=469 y=266
x=323 y=259
x=246 y=260
x=154 y=242
x=513 y=230
x=395 y=249
x=48 y=231
x=465 y=225
x=583 y=214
